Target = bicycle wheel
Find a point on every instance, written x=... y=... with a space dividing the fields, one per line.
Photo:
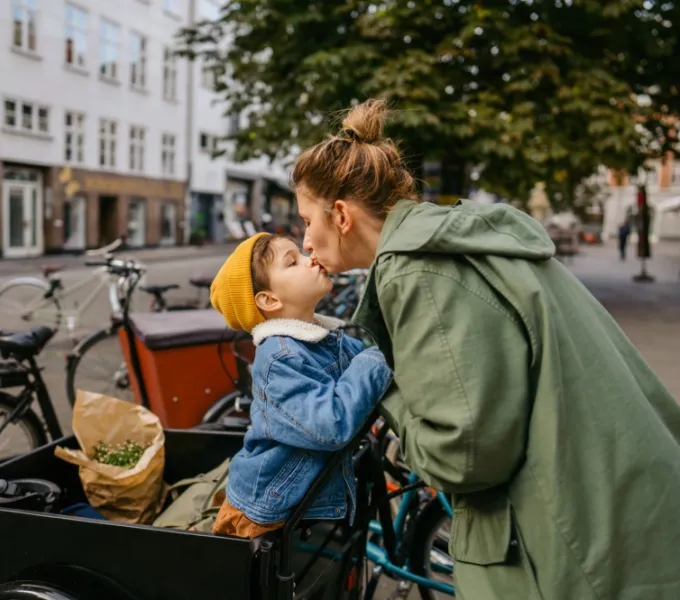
x=430 y=550
x=23 y=305
x=97 y=365
x=21 y=436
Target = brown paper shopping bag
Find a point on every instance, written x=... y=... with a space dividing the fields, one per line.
x=120 y=494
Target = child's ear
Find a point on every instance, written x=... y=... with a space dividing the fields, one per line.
x=268 y=302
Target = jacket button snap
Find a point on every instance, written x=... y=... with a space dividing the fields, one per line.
x=337 y=511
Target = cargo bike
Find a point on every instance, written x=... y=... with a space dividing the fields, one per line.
x=46 y=555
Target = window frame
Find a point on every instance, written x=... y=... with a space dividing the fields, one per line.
x=109 y=71
x=108 y=143
x=74 y=137
x=72 y=29
x=35 y=110
x=26 y=9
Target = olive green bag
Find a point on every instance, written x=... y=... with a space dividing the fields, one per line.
x=192 y=504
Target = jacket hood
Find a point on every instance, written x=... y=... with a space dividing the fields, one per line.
x=466 y=228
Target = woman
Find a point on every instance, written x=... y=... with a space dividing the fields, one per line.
x=515 y=391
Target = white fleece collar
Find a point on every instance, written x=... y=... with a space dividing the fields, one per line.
x=299 y=330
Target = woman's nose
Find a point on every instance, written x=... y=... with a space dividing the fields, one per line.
x=306 y=244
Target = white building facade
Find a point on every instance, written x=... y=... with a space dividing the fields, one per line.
x=227 y=198
x=105 y=133
x=93 y=124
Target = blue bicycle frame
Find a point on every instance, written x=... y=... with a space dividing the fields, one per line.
x=378 y=554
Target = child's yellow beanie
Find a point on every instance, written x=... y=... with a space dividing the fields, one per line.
x=231 y=292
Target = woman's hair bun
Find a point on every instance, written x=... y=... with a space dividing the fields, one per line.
x=365 y=122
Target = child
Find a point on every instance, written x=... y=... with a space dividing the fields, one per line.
x=313 y=388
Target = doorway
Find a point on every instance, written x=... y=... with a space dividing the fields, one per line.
x=108 y=219
x=74 y=223
x=22 y=217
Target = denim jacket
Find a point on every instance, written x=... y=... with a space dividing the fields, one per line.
x=313 y=388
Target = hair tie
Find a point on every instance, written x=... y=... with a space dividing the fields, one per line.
x=351 y=135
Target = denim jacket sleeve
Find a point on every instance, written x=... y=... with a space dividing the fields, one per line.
x=306 y=408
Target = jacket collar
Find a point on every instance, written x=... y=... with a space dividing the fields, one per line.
x=299 y=330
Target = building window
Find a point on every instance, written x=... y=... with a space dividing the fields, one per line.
x=171 y=6
x=24 y=18
x=208 y=77
x=137 y=135
x=74 y=139
x=109 y=39
x=26 y=116
x=76 y=36
x=207 y=142
x=169 y=74
x=138 y=64
x=107 y=143
x=168 y=154
x=209 y=10
x=234 y=123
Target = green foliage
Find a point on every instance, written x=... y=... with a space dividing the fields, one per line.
x=532 y=91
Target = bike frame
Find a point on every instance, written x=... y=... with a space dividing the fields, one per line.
x=380 y=555
x=35 y=388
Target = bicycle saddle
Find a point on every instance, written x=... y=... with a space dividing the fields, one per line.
x=158 y=289
x=29 y=494
x=52 y=269
x=202 y=281
x=25 y=344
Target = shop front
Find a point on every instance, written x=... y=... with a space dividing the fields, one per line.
x=92 y=209
x=21 y=214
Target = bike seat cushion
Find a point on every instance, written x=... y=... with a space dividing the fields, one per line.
x=202 y=281
x=25 y=344
x=52 y=269
x=158 y=289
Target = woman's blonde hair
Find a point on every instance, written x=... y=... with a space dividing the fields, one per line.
x=358 y=163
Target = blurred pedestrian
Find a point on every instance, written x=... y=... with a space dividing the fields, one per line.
x=624 y=232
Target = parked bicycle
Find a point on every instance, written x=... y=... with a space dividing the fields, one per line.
x=27 y=302
x=21 y=429
x=160 y=303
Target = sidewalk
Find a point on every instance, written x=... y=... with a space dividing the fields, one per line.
x=17 y=266
x=649 y=313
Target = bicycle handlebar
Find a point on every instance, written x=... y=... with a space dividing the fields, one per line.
x=118 y=267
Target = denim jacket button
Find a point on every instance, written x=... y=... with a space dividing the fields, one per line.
x=337 y=511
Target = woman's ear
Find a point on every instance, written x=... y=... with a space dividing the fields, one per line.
x=342 y=216
x=268 y=302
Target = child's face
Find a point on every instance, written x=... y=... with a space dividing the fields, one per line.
x=296 y=286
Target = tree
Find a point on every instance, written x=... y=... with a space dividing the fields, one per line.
x=540 y=91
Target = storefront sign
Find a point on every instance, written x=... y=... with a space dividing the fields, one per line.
x=76 y=181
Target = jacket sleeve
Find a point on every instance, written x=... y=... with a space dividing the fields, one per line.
x=461 y=401
x=305 y=407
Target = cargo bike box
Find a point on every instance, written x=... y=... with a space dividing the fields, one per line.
x=51 y=556
x=186 y=361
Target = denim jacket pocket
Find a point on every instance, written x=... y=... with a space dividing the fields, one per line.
x=287 y=475
x=482 y=532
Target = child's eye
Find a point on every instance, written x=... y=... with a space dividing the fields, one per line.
x=293 y=263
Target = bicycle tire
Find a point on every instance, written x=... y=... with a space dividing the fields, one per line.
x=427 y=524
x=75 y=359
x=29 y=421
x=42 y=287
